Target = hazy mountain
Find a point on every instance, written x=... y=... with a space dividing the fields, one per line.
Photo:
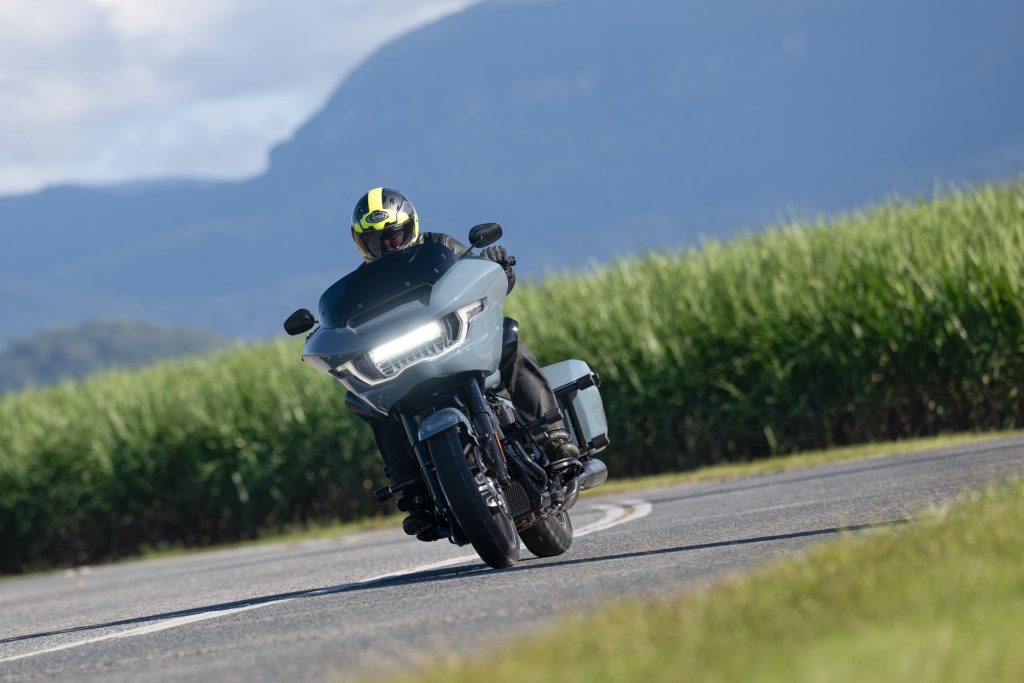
x=94 y=346
x=587 y=127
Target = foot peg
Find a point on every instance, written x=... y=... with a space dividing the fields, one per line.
x=386 y=493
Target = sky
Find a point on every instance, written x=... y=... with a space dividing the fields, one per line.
x=99 y=91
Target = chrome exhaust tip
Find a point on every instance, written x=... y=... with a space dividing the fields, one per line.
x=594 y=474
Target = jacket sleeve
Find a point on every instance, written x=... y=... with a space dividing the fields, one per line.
x=500 y=256
x=458 y=248
x=511 y=275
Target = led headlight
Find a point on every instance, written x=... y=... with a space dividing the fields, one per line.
x=425 y=335
x=424 y=343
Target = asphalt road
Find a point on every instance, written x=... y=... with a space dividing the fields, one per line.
x=358 y=605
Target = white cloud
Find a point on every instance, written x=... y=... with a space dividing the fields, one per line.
x=182 y=22
x=108 y=90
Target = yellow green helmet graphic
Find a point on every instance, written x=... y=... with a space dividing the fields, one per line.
x=384 y=221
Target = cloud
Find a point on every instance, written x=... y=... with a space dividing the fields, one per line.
x=100 y=91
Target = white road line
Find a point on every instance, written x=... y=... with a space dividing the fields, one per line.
x=422 y=568
x=151 y=628
x=613 y=515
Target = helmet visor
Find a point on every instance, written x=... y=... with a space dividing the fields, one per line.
x=377 y=243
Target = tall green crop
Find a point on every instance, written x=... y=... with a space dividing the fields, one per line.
x=902 y=321
x=186 y=452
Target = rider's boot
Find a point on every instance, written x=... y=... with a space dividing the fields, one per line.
x=420 y=521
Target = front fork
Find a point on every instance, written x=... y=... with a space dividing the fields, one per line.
x=486 y=429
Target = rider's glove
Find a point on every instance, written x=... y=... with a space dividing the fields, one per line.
x=500 y=256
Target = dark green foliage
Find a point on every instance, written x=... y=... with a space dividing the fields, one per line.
x=74 y=353
x=904 y=321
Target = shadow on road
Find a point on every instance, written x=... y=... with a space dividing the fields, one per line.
x=444 y=574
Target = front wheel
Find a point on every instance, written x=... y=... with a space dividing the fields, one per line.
x=550 y=536
x=475 y=499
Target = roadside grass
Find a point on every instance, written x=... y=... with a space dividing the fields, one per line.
x=704 y=474
x=939 y=600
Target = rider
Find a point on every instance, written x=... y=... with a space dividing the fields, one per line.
x=385 y=221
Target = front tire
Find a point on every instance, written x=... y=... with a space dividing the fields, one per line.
x=550 y=536
x=488 y=527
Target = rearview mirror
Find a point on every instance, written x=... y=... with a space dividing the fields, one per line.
x=298 y=322
x=484 y=235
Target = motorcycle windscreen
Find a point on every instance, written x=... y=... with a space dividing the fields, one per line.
x=390 y=281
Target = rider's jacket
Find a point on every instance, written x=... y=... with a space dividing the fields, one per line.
x=458 y=248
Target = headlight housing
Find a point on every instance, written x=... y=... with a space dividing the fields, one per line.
x=435 y=338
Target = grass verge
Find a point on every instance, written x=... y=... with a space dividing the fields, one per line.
x=937 y=601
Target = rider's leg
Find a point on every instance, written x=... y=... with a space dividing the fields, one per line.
x=533 y=397
x=399 y=461
x=400 y=466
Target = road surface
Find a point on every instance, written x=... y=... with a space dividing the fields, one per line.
x=359 y=605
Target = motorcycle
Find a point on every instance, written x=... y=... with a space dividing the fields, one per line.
x=417 y=336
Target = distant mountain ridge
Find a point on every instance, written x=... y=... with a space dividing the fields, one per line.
x=587 y=127
x=95 y=346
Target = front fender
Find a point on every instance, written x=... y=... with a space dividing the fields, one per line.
x=446 y=418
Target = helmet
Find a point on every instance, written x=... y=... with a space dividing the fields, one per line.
x=384 y=221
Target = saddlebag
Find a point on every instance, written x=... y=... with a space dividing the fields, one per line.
x=579 y=399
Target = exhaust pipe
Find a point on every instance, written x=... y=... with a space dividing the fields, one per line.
x=594 y=474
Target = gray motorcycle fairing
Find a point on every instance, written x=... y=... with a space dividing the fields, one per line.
x=468 y=281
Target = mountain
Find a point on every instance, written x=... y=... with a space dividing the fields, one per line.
x=588 y=128
x=94 y=346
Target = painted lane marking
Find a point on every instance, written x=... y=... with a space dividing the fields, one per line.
x=450 y=562
x=151 y=628
x=634 y=509
x=613 y=515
